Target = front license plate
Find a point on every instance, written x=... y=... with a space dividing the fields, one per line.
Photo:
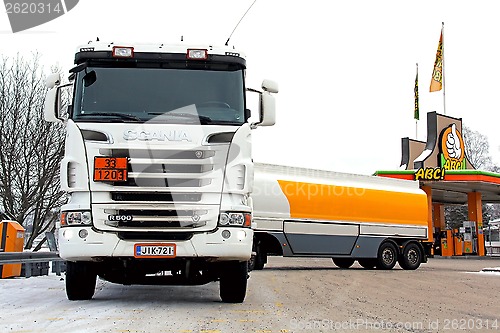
x=154 y=250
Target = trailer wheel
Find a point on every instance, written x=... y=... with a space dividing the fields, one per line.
x=80 y=280
x=367 y=263
x=411 y=258
x=387 y=256
x=233 y=282
x=343 y=262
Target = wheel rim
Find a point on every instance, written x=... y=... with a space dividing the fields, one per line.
x=388 y=256
x=413 y=256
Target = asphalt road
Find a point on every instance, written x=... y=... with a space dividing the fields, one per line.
x=289 y=295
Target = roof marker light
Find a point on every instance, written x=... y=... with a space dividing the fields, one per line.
x=197 y=54
x=123 y=52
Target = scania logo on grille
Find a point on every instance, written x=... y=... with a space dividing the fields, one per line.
x=174 y=135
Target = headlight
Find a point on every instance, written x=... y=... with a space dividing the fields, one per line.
x=76 y=218
x=235 y=219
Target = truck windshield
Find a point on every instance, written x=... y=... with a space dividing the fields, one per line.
x=165 y=95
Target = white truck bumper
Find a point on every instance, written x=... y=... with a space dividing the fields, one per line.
x=238 y=246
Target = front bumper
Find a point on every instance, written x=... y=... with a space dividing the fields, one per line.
x=210 y=245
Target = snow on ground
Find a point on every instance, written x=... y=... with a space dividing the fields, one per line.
x=39 y=304
x=488 y=271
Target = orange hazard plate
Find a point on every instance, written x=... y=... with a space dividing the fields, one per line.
x=154 y=250
x=110 y=169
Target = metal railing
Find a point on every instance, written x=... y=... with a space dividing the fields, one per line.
x=30 y=258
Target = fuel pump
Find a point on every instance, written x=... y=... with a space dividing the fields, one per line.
x=469 y=235
x=447 y=244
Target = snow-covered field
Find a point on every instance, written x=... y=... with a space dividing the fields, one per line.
x=276 y=295
x=39 y=304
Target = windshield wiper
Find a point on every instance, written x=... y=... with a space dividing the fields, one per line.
x=203 y=119
x=111 y=114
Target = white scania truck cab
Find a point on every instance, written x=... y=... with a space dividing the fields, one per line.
x=157 y=166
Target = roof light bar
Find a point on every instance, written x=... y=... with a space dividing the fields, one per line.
x=197 y=54
x=123 y=52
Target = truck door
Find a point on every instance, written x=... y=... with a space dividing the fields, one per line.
x=320 y=238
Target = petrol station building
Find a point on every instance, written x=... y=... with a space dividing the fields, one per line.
x=446 y=175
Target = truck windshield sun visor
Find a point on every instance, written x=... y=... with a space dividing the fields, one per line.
x=89 y=78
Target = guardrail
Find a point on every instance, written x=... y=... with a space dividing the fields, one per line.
x=28 y=259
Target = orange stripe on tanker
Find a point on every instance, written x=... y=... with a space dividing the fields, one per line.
x=343 y=203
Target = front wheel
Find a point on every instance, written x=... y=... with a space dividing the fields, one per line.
x=343 y=262
x=387 y=256
x=411 y=258
x=80 y=280
x=233 y=282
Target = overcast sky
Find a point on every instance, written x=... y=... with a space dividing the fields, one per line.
x=346 y=69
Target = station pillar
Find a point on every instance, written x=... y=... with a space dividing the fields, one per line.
x=475 y=207
x=430 y=226
x=438 y=216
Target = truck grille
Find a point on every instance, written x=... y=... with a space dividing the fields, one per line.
x=156 y=196
x=167 y=168
x=162 y=182
x=168 y=190
x=162 y=154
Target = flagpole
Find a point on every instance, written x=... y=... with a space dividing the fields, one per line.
x=444 y=85
x=416 y=120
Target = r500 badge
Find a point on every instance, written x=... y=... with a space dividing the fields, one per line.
x=120 y=218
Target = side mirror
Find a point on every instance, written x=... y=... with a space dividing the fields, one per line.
x=52 y=102
x=270 y=86
x=267 y=104
x=267 y=109
x=53 y=80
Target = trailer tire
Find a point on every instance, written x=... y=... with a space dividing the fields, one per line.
x=367 y=263
x=343 y=262
x=233 y=282
x=80 y=280
x=387 y=256
x=411 y=257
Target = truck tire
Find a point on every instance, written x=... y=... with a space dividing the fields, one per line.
x=233 y=282
x=411 y=257
x=80 y=280
x=387 y=256
x=367 y=263
x=343 y=262
x=258 y=259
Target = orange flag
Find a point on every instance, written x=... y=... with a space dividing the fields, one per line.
x=437 y=73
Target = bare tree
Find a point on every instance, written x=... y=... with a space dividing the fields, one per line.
x=31 y=149
x=477 y=149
